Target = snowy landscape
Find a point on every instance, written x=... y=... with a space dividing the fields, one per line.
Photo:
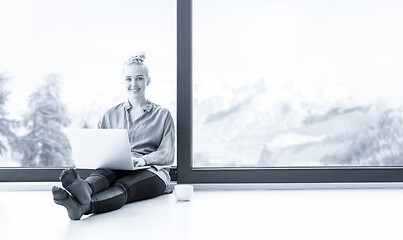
x=83 y=45
x=290 y=83
x=271 y=126
x=297 y=83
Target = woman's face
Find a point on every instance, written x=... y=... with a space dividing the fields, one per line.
x=136 y=80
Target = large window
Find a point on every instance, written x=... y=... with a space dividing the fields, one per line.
x=297 y=83
x=292 y=91
x=61 y=67
x=267 y=91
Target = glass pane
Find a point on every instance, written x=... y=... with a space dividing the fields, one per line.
x=297 y=83
x=61 y=67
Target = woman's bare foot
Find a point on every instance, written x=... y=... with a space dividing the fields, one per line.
x=79 y=188
x=74 y=208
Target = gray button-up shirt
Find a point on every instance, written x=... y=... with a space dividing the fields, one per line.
x=151 y=136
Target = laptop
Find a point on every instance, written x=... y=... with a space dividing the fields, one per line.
x=101 y=148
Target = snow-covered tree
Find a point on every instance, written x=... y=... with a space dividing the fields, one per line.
x=44 y=144
x=7 y=135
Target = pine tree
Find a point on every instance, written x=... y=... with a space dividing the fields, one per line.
x=7 y=136
x=45 y=145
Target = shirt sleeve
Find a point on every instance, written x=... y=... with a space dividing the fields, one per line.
x=165 y=154
x=103 y=123
x=100 y=124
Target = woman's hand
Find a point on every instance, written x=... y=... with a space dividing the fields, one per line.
x=138 y=162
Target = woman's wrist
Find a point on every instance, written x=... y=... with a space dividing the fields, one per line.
x=145 y=162
x=141 y=162
x=138 y=162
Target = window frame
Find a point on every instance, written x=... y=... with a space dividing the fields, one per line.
x=48 y=174
x=188 y=174
x=185 y=173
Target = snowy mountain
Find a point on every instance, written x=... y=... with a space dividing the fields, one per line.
x=266 y=124
x=362 y=137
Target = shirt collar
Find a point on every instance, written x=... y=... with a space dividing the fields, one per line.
x=147 y=107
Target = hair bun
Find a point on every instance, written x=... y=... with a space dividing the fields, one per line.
x=137 y=59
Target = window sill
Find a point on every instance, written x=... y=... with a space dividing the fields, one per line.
x=47 y=186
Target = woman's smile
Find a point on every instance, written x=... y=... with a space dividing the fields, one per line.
x=134 y=89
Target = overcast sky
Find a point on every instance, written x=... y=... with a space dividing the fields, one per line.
x=352 y=47
x=86 y=43
x=349 y=48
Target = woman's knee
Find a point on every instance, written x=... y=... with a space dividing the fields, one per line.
x=145 y=189
x=103 y=172
x=101 y=179
x=141 y=185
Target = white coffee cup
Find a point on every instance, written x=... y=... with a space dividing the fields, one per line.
x=183 y=192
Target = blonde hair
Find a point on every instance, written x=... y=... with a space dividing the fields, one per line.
x=138 y=60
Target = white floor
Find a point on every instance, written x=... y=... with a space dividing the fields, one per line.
x=215 y=214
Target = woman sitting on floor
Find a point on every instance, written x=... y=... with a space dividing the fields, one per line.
x=152 y=137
